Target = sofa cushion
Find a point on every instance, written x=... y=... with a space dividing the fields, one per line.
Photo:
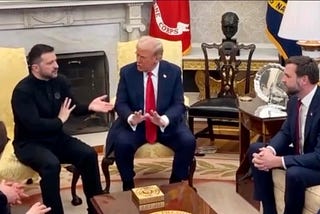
x=312 y=195
x=11 y=168
x=13 y=68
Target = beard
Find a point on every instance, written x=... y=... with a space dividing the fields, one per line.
x=51 y=75
x=293 y=90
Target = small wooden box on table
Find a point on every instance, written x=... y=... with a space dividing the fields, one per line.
x=148 y=197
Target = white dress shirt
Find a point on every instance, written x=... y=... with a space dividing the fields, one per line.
x=155 y=78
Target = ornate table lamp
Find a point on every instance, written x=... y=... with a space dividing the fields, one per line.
x=300 y=22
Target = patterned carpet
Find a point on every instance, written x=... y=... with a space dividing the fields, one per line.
x=213 y=167
x=210 y=167
x=214 y=179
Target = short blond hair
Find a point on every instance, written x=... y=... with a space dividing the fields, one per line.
x=151 y=43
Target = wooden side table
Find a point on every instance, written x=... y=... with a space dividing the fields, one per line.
x=267 y=128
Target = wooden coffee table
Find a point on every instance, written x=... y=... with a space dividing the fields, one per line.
x=178 y=196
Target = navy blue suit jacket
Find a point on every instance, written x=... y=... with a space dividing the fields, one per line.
x=286 y=136
x=130 y=98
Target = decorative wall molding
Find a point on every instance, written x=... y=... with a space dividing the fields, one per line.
x=62 y=13
x=134 y=25
x=5 y=5
x=48 y=17
x=75 y=26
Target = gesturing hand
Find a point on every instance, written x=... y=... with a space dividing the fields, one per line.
x=20 y=190
x=155 y=118
x=13 y=191
x=38 y=208
x=137 y=118
x=65 y=110
x=100 y=105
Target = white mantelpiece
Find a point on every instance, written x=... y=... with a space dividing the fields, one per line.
x=73 y=26
x=68 y=3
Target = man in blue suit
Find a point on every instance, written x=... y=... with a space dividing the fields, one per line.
x=128 y=132
x=296 y=147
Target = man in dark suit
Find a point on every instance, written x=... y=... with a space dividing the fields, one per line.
x=296 y=147
x=128 y=132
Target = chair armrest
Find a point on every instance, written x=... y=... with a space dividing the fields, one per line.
x=186 y=101
x=3 y=136
x=113 y=100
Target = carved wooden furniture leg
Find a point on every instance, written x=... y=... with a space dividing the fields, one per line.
x=191 y=173
x=76 y=200
x=105 y=163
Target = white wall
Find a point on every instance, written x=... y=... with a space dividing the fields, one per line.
x=82 y=27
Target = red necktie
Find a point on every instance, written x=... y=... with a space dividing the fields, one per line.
x=151 y=129
x=298 y=131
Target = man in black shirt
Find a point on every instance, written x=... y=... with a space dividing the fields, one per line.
x=42 y=103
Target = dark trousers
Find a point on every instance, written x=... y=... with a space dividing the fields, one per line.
x=45 y=158
x=181 y=141
x=297 y=180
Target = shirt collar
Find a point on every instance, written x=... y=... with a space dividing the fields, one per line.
x=155 y=71
x=308 y=98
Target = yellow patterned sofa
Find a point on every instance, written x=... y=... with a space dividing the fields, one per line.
x=312 y=194
x=13 y=67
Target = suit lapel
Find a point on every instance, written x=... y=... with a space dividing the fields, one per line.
x=313 y=110
x=162 y=76
x=137 y=81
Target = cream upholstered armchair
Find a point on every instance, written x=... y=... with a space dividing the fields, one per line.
x=126 y=55
x=13 y=68
x=312 y=194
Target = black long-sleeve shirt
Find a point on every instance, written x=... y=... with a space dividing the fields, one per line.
x=36 y=105
x=4 y=207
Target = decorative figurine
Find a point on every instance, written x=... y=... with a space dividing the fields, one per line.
x=229 y=26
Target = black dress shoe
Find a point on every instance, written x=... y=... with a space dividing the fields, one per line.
x=127 y=185
x=91 y=210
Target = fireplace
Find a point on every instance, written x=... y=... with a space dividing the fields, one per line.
x=85 y=32
x=88 y=73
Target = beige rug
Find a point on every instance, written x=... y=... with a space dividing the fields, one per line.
x=214 y=181
x=214 y=167
x=210 y=167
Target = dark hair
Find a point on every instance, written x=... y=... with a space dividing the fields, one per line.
x=305 y=66
x=35 y=53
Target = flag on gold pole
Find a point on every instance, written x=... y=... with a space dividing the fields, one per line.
x=170 y=20
x=286 y=47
